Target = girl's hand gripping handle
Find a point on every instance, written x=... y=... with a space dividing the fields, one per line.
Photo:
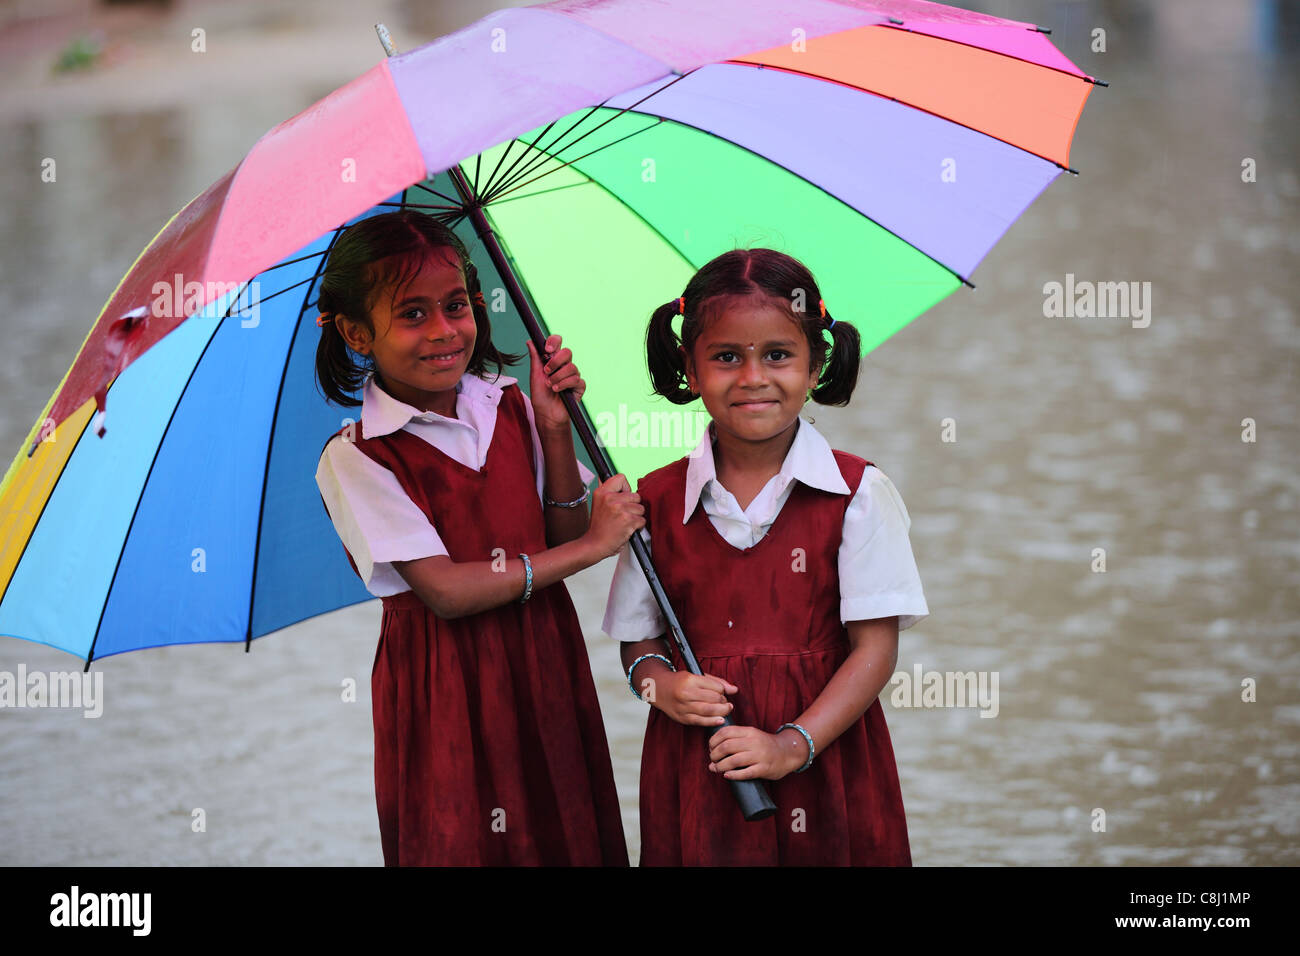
x=698 y=700
x=548 y=380
x=616 y=514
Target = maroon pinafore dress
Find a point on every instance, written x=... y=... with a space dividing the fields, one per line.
x=489 y=743
x=766 y=619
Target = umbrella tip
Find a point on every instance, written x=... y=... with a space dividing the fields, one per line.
x=1041 y=30
x=386 y=39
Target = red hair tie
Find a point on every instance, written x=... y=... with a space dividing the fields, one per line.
x=681 y=305
x=821 y=303
x=322 y=319
x=478 y=299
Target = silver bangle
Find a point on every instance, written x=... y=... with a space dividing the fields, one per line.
x=630 y=685
x=586 y=493
x=528 y=579
x=811 y=749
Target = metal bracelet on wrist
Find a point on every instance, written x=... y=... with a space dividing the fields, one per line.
x=812 y=751
x=630 y=685
x=528 y=579
x=586 y=493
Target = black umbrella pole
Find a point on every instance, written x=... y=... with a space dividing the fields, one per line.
x=755 y=802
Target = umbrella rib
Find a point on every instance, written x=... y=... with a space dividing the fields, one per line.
x=501 y=159
x=618 y=199
x=551 y=150
x=508 y=176
x=235 y=301
x=418 y=205
x=405 y=203
x=587 y=182
x=523 y=156
x=289 y=262
x=506 y=192
x=435 y=192
x=270 y=439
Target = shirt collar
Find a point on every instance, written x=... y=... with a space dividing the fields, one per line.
x=809 y=460
x=381 y=414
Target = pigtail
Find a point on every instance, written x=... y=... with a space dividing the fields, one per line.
x=840 y=375
x=663 y=358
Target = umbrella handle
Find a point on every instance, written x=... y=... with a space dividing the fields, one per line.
x=755 y=802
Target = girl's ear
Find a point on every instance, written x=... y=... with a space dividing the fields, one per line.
x=354 y=333
x=690 y=368
x=813 y=377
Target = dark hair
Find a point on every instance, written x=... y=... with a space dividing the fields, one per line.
x=379 y=252
x=744 y=273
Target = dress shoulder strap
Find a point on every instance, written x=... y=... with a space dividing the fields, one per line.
x=852 y=468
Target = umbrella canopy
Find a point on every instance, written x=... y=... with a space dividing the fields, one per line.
x=888 y=145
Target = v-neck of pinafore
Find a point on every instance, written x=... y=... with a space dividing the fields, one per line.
x=718 y=536
x=479 y=473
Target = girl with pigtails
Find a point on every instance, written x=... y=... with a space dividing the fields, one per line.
x=789 y=566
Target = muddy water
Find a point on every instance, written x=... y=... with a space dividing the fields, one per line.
x=1072 y=442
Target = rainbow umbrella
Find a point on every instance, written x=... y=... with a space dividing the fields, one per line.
x=594 y=154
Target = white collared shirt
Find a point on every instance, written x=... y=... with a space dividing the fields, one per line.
x=376 y=520
x=878 y=576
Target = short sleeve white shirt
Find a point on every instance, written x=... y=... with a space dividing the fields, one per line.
x=375 y=519
x=878 y=575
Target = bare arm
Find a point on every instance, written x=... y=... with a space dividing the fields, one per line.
x=455 y=589
x=562 y=483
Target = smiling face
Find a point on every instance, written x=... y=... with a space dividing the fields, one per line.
x=751 y=368
x=424 y=335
